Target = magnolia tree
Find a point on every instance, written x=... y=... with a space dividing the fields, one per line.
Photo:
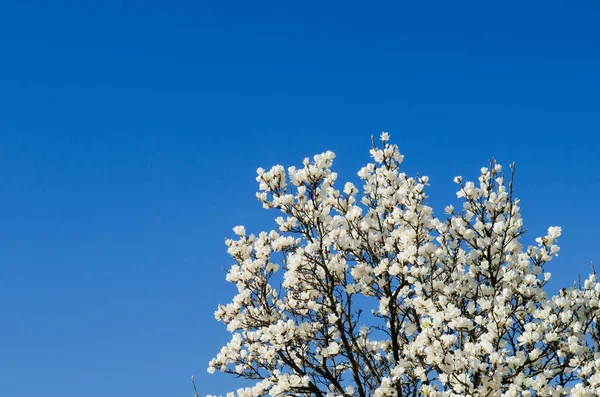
x=369 y=294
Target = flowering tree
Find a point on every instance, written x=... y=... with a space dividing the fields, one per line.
x=372 y=295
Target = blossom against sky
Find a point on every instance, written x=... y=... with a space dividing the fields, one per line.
x=131 y=132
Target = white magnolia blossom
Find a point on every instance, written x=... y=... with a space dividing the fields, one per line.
x=372 y=295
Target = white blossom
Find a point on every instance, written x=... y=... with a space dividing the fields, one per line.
x=364 y=292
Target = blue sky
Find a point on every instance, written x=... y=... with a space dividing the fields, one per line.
x=130 y=133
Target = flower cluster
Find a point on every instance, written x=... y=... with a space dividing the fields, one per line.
x=371 y=295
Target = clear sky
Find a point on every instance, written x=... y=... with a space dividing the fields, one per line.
x=130 y=132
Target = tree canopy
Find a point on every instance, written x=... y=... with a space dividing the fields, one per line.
x=365 y=292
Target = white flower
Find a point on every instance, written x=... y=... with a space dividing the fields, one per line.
x=554 y=232
x=240 y=230
x=349 y=188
